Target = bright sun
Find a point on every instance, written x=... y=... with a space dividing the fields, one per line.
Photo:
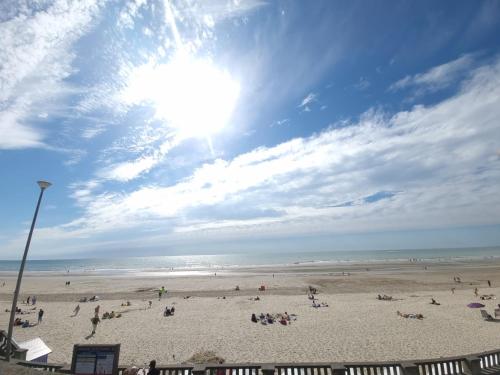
x=192 y=95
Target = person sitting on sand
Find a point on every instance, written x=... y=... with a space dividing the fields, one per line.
x=237 y=288
x=83 y=299
x=112 y=315
x=487 y=297
x=18 y=322
x=172 y=310
x=254 y=318
x=150 y=303
x=411 y=316
x=283 y=321
x=166 y=312
x=286 y=316
x=433 y=302
x=262 y=316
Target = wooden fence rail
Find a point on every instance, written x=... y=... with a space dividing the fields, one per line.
x=486 y=363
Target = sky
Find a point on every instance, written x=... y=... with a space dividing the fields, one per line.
x=198 y=127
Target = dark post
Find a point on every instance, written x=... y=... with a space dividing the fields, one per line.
x=43 y=185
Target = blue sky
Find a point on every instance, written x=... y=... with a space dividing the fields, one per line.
x=172 y=127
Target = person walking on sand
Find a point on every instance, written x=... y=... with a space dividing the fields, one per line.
x=96 y=310
x=95 y=321
x=476 y=292
x=40 y=315
x=33 y=300
x=489 y=283
x=28 y=300
x=76 y=310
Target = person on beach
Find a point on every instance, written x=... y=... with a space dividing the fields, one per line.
x=160 y=293
x=476 y=292
x=95 y=321
x=96 y=310
x=452 y=290
x=76 y=310
x=28 y=300
x=489 y=283
x=254 y=318
x=150 y=303
x=152 y=368
x=40 y=315
x=433 y=302
x=33 y=300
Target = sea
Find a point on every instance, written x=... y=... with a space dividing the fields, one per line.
x=199 y=264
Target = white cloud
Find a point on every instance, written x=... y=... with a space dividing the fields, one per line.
x=35 y=58
x=310 y=98
x=16 y=134
x=362 y=84
x=436 y=78
x=281 y=122
x=442 y=161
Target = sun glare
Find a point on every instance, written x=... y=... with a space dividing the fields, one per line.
x=190 y=94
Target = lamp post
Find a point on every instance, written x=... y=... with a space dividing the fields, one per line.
x=43 y=185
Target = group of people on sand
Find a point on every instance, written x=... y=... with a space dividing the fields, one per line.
x=31 y=300
x=385 y=297
x=91 y=299
x=26 y=323
x=135 y=371
x=310 y=295
x=267 y=318
x=111 y=315
x=169 y=311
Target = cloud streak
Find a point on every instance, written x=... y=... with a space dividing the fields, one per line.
x=401 y=171
x=436 y=78
x=35 y=59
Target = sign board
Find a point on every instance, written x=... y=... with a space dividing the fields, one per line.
x=95 y=359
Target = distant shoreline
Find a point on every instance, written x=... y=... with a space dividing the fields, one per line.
x=250 y=263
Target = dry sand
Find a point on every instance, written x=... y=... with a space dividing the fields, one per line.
x=355 y=326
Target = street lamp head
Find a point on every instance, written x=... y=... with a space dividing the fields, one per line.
x=43 y=184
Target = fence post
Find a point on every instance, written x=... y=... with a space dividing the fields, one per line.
x=338 y=369
x=199 y=370
x=474 y=365
x=267 y=369
x=409 y=368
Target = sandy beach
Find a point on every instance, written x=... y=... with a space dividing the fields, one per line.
x=355 y=327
